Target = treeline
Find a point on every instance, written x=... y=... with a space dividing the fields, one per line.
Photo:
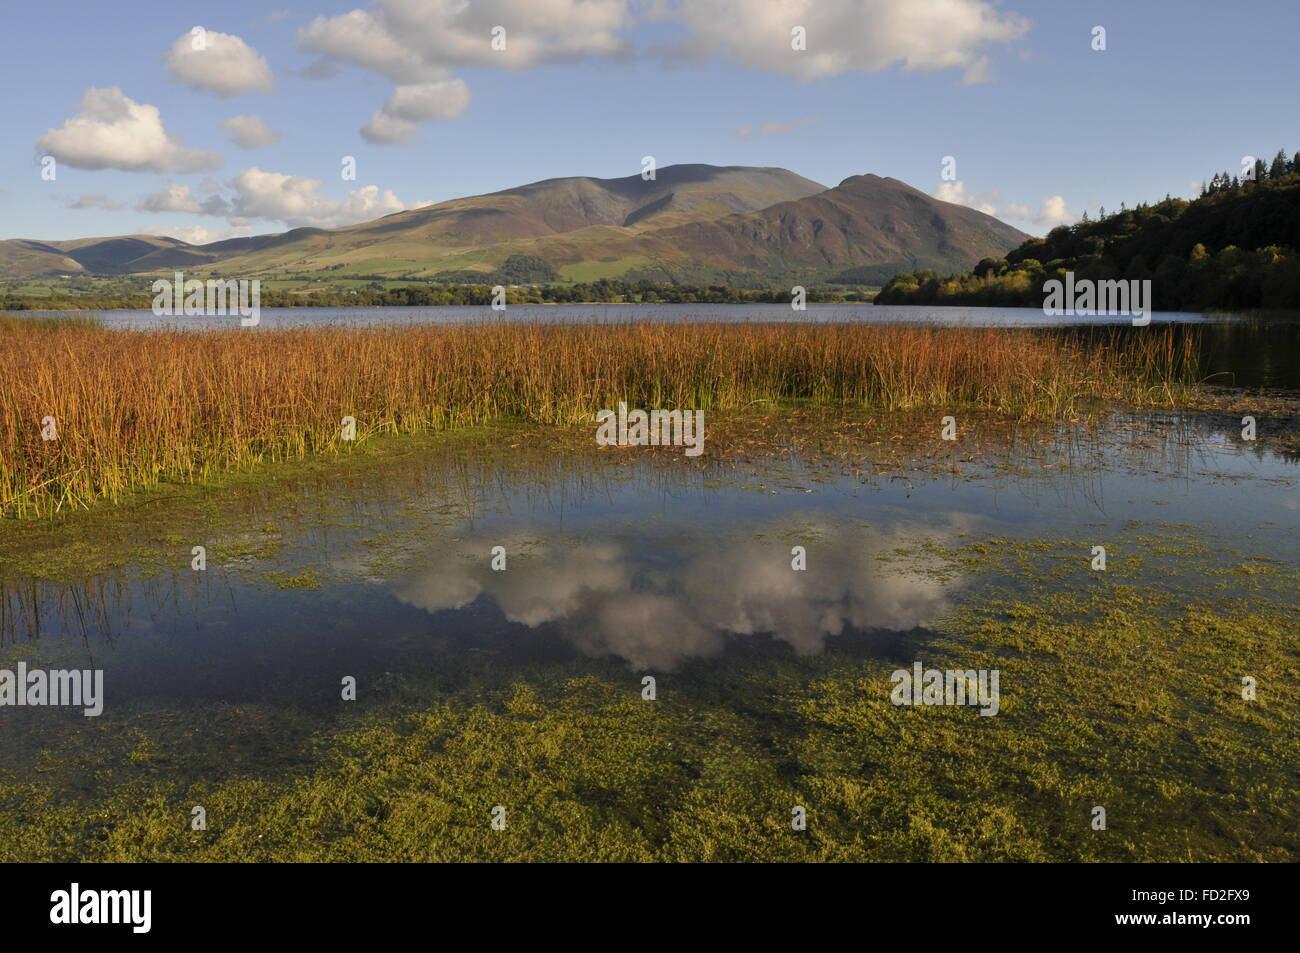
x=515 y=270
x=1236 y=246
x=604 y=291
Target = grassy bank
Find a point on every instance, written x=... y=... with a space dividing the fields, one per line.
x=135 y=408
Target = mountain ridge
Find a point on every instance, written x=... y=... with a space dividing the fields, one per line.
x=691 y=222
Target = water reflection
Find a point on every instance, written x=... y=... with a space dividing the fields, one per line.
x=617 y=557
x=654 y=602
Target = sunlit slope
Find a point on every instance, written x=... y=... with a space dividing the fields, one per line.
x=481 y=231
x=691 y=222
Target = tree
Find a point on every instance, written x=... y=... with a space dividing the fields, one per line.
x=1261 y=170
x=1279 y=166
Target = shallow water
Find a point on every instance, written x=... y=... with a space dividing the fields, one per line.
x=630 y=566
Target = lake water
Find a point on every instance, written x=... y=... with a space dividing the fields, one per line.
x=729 y=313
x=633 y=566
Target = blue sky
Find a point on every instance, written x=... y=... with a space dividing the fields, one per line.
x=1041 y=126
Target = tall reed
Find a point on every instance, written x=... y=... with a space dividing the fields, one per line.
x=135 y=407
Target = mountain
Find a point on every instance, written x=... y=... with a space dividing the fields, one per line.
x=123 y=254
x=690 y=223
x=480 y=232
x=865 y=229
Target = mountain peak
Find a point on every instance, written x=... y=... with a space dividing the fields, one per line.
x=693 y=221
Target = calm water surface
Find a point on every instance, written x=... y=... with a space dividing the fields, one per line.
x=730 y=313
x=632 y=565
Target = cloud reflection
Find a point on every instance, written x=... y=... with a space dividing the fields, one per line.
x=655 y=602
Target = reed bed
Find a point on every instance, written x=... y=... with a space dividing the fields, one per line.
x=133 y=408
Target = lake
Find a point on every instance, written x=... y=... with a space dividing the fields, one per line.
x=730 y=313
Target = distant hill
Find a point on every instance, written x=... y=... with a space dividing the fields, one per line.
x=720 y=224
x=864 y=230
x=119 y=255
x=1236 y=246
x=480 y=232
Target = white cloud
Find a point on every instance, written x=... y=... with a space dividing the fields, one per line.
x=174 y=198
x=94 y=201
x=113 y=131
x=1054 y=211
x=194 y=234
x=990 y=203
x=408 y=106
x=296 y=200
x=429 y=101
x=421 y=43
x=179 y=198
x=384 y=129
x=955 y=192
x=848 y=35
x=249 y=132
x=362 y=38
x=225 y=64
x=367 y=203
x=774 y=128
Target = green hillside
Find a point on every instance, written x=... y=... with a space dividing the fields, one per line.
x=1236 y=246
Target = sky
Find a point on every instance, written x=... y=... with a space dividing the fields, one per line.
x=121 y=119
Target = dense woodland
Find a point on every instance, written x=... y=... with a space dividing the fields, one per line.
x=1236 y=246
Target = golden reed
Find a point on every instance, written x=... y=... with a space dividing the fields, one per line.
x=134 y=407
